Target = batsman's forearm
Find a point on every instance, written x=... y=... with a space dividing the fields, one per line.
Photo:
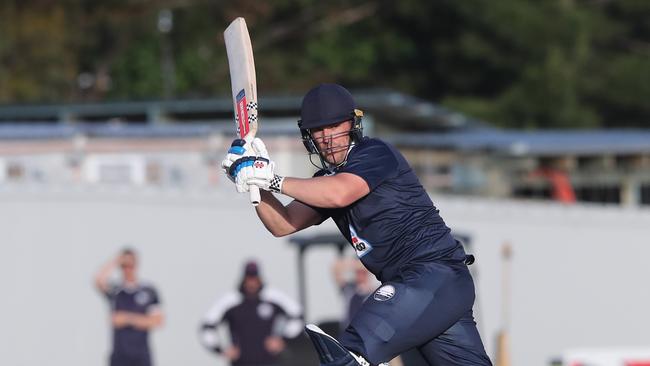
x=101 y=278
x=274 y=215
x=147 y=321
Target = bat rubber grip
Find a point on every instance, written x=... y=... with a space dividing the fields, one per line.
x=254 y=194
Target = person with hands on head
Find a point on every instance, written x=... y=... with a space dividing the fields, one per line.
x=135 y=310
x=369 y=190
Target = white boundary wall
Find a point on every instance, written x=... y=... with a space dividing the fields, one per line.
x=579 y=273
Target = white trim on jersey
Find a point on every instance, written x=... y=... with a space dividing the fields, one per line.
x=209 y=335
x=210 y=338
x=154 y=309
x=115 y=287
x=293 y=325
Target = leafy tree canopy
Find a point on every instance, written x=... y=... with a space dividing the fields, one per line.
x=515 y=63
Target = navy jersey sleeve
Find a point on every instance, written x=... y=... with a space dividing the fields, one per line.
x=155 y=298
x=373 y=161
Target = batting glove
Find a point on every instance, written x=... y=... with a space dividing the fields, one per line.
x=272 y=185
x=238 y=149
x=256 y=170
x=266 y=179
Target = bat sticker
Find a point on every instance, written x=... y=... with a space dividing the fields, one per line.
x=242 y=113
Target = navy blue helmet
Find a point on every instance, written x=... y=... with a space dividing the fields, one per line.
x=324 y=105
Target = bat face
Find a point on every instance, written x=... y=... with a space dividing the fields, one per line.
x=242 y=77
x=243 y=85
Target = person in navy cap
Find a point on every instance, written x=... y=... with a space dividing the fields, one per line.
x=259 y=319
x=135 y=310
x=369 y=190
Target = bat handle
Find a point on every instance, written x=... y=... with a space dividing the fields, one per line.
x=254 y=194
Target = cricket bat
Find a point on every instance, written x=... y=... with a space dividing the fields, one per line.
x=244 y=85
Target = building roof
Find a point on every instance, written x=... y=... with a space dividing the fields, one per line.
x=539 y=142
x=401 y=111
x=436 y=126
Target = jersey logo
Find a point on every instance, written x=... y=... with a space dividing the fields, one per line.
x=384 y=293
x=264 y=311
x=142 y=298
x=360 y=245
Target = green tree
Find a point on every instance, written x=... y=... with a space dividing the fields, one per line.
x=515 y=63
x=36 y=61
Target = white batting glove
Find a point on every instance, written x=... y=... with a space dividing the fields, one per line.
x=238 y=149
x=272 y=185
x=255 y=165
x=251 y=169
x=261 y=173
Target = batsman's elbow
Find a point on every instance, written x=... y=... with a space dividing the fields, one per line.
x=279 y=232
x=340 y=200
x=282 y=233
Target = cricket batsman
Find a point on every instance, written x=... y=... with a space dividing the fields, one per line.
x=368 y=188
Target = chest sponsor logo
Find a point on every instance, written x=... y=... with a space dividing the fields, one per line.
x=385 y=292
x=264 y=310
x=142 y=298
x=360 y=245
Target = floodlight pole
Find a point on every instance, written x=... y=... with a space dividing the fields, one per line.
x=302 y=281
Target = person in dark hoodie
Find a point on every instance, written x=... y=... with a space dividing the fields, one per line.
x=259 y=319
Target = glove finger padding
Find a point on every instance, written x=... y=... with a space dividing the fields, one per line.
x=261 y=183
x=239 y=148
x=241 y=170
x=260 y=148
x=255 y=168
x=265 y=179
x=225 y=164
x=241 y=188
x=252 y=168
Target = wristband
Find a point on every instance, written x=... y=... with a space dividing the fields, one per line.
x=276 y=183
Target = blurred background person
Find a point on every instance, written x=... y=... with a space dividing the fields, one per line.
x=135 y=309
x=355 y=283
x=259 y=320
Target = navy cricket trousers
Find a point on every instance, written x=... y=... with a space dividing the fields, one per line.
x=428 y=307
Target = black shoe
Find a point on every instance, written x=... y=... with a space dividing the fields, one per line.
x=330 y=351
